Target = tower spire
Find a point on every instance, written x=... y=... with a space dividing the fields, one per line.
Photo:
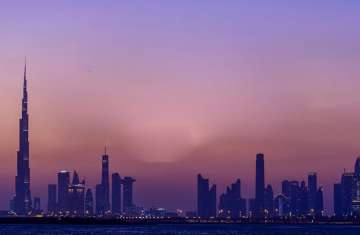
x=25 y=69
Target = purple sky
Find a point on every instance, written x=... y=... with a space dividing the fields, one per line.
x=175 y=88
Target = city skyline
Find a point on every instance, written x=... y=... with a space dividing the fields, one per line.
x=75 y=198
x=172 y=101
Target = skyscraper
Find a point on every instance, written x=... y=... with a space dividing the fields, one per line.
x=99 y=197
x=105 y=181
x=63 y=183
x=206 y=198
x=231 y=204
x=89 y=203
x=269 y=200
x=281 y=205
x=37 y=205
x=337 y=200
x=23 y=201
x=312 y=185
x=294 y=197
x=116 y=194
x=285 y=188
x=319 y=203
x=356 y=189
x=347 y=180
x=128 y=203
x=51 y=198
x=303 y=199
x=260 y=184
x=75 y=198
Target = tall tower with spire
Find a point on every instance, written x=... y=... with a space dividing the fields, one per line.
x=23 y=200
x=105 y=180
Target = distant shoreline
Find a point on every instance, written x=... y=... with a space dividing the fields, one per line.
x=167 y=221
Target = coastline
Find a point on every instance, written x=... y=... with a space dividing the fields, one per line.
x=167 y=221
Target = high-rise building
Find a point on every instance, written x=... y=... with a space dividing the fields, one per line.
x=294 y=197
x=89 y=203
x=303 y=199
x=231 y=204
x=23 y=201
x=319 y=203
x=63 y=183
x=128 y=204
x=76 y=179
x=116 y=194
x=260 y=184
x=213 y=208
x=293 y=200
x=75 y=199
x=99 y=197
x=347 y=180
x=269 y=200
x=312 y=191
x=337 y=200
x=206 y=198
x=103 y=189
x=356 y=189
x=357 y=168
x=105 y=181
x=51 y=199
x=285 y=188
x=37 y=205
x=282 y=205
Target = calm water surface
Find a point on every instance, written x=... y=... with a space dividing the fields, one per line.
x=195 y=229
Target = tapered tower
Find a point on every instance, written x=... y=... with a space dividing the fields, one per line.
x=23 y=200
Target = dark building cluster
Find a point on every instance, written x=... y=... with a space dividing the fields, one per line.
x=206 y=198
x=231 y=203
x=347 y=193
x=296 y=199
x=73 y=198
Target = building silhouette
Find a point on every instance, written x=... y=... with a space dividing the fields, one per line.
x=347 y=193
x=22 y=200
x=103 y=189
x=89 y=203
x=63 y=183
x=312 y=184
x=99 y=197
x=281 y=205
x=231 y=203
x=337 y=200
x=298 y=199
x=116 y=194
x=128 y=204
x=37 y=206
x=206 y=198
x=294 y=197
x=347 y=180
x=303 y=207
x=75 y=198
x=260 y=185
x=269 y=200
x=285 y=188
x=51 y=208
x=319 y=205
x=356 y=189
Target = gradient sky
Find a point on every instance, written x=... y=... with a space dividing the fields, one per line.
x=175 y=88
